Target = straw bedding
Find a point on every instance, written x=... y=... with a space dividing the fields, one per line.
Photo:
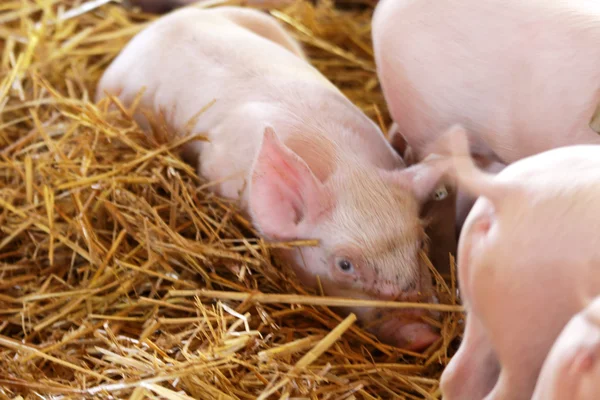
x=122 y=276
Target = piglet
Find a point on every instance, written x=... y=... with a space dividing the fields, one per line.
x=572 y=368
x=522 y=76
x=304 y=162
x=527 y=245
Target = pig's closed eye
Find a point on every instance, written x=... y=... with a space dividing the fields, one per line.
x=345 y=265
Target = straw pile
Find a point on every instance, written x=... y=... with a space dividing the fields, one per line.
x=121 y=276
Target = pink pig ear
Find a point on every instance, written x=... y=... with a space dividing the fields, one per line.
x=453 y=146
x=421 y=179
x=283 y=190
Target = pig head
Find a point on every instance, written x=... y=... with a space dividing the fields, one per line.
x=527 y=243
x=368 y=249
x=303 y=161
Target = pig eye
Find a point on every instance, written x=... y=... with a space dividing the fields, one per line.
x=440 y=194
x=345 y=265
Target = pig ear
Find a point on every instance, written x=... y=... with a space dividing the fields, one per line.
x=421 y=179
x=450 y=153
x=454 y=147
x=283 y=190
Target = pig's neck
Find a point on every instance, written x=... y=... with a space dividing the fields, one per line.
x=329 y=132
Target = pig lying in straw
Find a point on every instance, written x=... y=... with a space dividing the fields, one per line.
x=572 y=368
x=439 y=213
x=529 y=242
x=303 y=160
x=522 y=76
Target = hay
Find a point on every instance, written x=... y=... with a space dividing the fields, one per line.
x=122 y=276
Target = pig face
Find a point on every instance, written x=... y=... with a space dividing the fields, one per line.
x=367 y=222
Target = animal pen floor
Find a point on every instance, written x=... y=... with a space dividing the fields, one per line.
x=121 y=276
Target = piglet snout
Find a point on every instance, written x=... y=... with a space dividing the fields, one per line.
x=405 y=329
x=407 y=333
x=417 y=336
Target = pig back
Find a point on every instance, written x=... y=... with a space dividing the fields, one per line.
x=541 y=216
x=191 y=58
x=522 y=76
x=198 y=63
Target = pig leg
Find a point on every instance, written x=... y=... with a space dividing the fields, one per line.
x=572 y=368
x=474 y=369
x=510 y=386
x=517 y=378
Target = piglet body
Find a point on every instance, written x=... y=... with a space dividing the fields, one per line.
x=304 y=162
x=522 y=76
x=527 y=251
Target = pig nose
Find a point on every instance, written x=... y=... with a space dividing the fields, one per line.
x=417 y=336
x=407 y=333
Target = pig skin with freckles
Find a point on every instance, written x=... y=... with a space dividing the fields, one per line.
x=522 y=76
x=528 y=249
x=572 y=368
x=304 y=162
